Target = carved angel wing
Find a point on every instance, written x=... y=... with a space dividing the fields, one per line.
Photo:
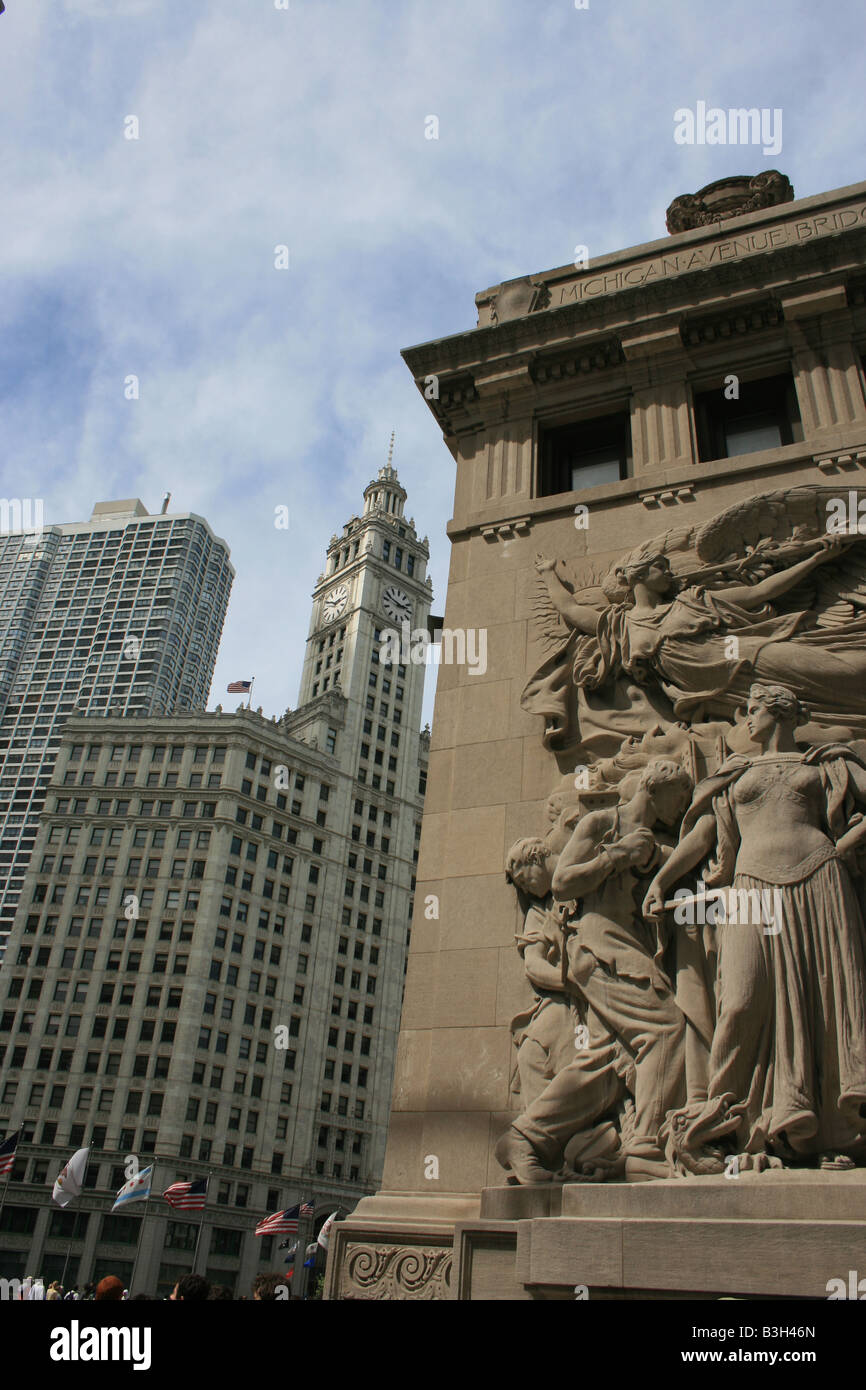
x=776 y=529
x=548 y=626
x=789 y=518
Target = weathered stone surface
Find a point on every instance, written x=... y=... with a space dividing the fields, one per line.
x=605 y=760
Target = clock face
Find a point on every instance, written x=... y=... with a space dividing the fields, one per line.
x=396 y=604
x=335 y=603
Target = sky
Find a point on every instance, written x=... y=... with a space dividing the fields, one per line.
x=307 y=127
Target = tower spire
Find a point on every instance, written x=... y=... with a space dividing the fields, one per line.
x=391 y=448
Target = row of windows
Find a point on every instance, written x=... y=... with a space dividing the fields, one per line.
x=346 y=1074
x=220 y=1041
x=254 y=979
x=93 y=866
x=363 y=893
x=355 y=979
x=279 y=829
x=152 y=779
x=349 y=1040
x=197 y=1077
x=398 y=558
x=343 y=950
x=86 y=960
x=253 y=1017
x=326 y=1105
x=133 y=751
x=76 y=991
x=328 y=641
x=104 y=807
x=342 y=1139
x=360 y=922
x=367 y=864
x=351 y=1009
x=71 y=1025
x=113 y=835
x=764 y=415
x=336 y=1170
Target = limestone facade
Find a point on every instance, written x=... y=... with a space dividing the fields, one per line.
x=616 y=368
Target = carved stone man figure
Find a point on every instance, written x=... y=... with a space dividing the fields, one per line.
x=635 y=1030
x=544 y=1032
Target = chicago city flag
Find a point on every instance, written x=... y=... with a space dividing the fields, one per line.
x=68 y=1183
x=136 y=1190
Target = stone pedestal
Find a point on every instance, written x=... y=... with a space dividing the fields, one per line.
x=397 y=1246
x=763 y=1235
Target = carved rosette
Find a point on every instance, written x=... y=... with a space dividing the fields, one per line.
x=401 y=1272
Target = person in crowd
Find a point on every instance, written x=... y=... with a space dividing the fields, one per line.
x=192 y=1288
x=109 y=1289
x=266 y=1286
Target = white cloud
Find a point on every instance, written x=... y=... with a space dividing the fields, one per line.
x=258 y=127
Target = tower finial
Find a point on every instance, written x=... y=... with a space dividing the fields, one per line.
x=391 y=448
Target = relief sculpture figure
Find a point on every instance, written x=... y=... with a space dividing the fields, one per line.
x=788 y=610
x=635 y=1033
x=543 y=1033
x=787 y=1066
x=730 y=655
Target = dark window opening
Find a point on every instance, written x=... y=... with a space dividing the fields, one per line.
x=574 y=457
x=764 y=416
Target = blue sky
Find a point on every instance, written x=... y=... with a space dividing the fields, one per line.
x=306 y=127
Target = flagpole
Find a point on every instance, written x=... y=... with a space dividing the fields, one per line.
x=5 y=1190
x=201 y=1223
x=250 y=700
x=75 y=1222
x=141 y=1227
x=309 y=1272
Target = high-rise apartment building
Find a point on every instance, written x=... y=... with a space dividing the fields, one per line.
x=119 y=614
x=208 y=960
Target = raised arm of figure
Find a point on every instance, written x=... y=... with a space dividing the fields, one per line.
x=577 y=615
x=754 y=595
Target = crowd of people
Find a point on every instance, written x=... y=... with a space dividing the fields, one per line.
x=192 y=1288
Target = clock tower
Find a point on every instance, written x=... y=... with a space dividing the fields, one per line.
x=363 y=713
x=374 y=580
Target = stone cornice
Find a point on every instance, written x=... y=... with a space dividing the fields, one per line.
x=499 y=342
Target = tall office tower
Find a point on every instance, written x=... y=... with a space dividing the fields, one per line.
x=121 y=614
x=374 y=581
x=208 y=959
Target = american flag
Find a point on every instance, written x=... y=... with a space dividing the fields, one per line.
x=187 y=1196
x=284 y=1222
x=7 y=1153
x=238 y=687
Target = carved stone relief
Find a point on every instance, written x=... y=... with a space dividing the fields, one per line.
x=692 y=911
x=398 y=1272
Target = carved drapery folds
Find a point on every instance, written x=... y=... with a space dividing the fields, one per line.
x=692 y=911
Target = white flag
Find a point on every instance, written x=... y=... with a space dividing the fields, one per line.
x=68 y=1183
x=325 y=1233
